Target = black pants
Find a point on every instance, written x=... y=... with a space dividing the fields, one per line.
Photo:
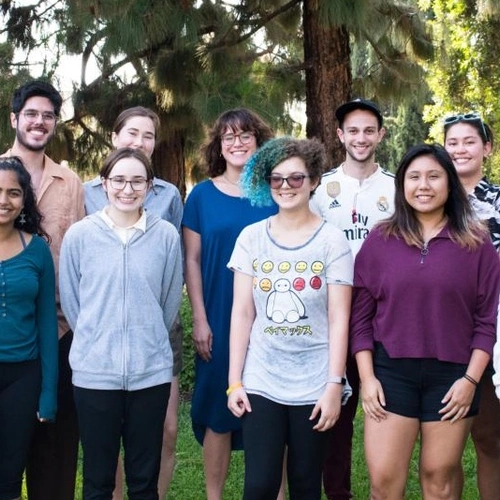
x=20 y=385
x=268 y=430
x=106 y=417
x=337 y=465
x=53 y=458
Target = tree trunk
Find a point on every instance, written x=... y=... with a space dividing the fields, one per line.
x=168 y=161
x=328 y=77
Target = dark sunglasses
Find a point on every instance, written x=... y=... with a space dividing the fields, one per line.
x=294 y=180
x=466 y=117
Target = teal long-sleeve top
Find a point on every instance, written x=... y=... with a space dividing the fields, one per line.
x=28 y=318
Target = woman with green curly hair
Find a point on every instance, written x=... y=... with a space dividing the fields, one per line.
x=289 y=323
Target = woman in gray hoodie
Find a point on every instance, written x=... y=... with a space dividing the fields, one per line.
x=121 y=281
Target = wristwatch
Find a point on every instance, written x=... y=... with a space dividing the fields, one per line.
x=336 y=380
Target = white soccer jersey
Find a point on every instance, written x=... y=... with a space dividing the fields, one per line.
x=353 y=207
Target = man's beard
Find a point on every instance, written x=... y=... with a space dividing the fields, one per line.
x=32 y=147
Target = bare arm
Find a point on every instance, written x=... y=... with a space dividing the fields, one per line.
x=242 y=318
x=339 y=307
x=202 y=334
x=458 y=399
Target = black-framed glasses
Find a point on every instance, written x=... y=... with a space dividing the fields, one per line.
x=244 y=137
x=276 y=181
x=120 y=183
x=31 y=116
x=467 y=117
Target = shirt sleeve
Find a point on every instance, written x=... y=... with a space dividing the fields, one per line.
x=485 y=314
x=47 y=336
x=69 y=277
x=364 y=305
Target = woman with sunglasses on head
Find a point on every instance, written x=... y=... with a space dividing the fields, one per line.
x=138 y=128
x=214 y=215
x=121 y=311
x=289 y=323
x=28 y=325
x=469 y=141
x=426 y=285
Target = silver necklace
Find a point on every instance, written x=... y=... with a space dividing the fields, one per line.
x=237 y=183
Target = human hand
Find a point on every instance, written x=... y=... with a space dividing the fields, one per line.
x=327 y=407
x=373 y=399
x=457 y=400
x=238 y=403
x=202 y=340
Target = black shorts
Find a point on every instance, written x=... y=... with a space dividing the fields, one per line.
x=414 y=387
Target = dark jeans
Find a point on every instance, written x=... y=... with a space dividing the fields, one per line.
x=19 y=394
x=106 y=417
x=53 y=458
x=268 y=430
x=337 y=464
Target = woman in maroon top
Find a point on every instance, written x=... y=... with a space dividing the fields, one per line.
x=426 y=286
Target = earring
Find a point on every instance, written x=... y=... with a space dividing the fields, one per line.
x=22 y=218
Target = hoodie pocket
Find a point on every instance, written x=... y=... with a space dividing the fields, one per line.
x=148 y=349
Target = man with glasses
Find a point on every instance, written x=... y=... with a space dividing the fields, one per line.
x=354 y=197
x=35 y=107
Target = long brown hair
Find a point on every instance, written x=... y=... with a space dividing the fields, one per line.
x=464 y=228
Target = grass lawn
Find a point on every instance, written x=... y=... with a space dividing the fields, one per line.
x=188 y=482
x=188 y=478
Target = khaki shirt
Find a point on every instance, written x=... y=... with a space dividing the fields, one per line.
x=61 y=202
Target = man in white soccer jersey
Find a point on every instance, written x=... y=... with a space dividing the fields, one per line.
x=354 y=196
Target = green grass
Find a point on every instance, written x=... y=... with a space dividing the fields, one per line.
x=188 y=481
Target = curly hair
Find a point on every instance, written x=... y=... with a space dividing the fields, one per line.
x=30 y=218
x=232 y=120
x=253 y=180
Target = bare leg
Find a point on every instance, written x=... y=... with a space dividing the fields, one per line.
x=388 y=448
x=282 y=491
x=486 y=436
x=216 y=457
x=118 y=491
x=442 y=446
x=169 y=441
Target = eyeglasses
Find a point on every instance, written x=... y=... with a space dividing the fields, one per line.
x=294 y=180
x=120 y=183
x=244 y=137
x=467 y=117
x=31 y=116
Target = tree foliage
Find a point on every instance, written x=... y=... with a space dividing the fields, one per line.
x=191 y=60
x=466 y=75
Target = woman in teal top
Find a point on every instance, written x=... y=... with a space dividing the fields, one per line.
x=28 y=324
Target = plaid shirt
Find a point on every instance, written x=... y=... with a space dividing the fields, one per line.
x=485 y=201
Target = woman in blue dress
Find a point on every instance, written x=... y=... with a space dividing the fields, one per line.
x=214 y=215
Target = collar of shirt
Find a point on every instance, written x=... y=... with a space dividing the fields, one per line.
x=125 y=233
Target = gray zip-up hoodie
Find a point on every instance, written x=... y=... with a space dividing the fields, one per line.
x=120 y=300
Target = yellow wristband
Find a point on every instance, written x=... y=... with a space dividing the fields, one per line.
x=233 y=387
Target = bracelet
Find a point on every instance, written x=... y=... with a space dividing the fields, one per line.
x=233 y=387
x=336 y=380
x=470 y=379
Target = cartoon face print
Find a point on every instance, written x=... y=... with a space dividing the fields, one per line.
x=265 y=284
x=300 y=266
x=284 y=267
x=317 y=267
x=267 y=266
x=283 y=304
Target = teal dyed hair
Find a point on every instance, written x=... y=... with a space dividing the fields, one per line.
x=253 y=179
